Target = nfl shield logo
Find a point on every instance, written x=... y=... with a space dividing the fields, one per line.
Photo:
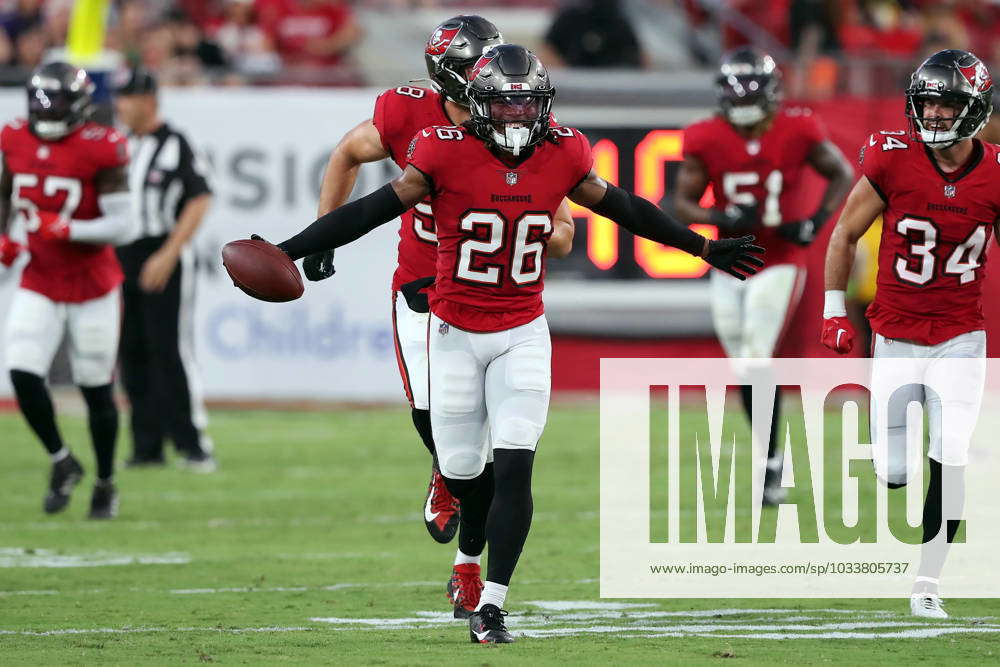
x=443 y=328
x=949 y=191
x=511 y=178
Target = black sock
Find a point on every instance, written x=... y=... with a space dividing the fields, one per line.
x=945 y=495
x=746 y=393
x=422 y=422
x=475 y=496
x=102 y=415
x=36 y=405
x=510 y=513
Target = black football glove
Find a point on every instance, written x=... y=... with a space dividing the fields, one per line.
x=735 y=218
x=737 y=257
x=319 y=265
x=802 y=232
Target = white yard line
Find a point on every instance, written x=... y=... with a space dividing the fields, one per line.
x=16 y=557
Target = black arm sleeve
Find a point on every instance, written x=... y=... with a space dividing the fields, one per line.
x=643 y=218
x=345 y=224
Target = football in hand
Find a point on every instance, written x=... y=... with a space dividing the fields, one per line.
x=262 y=270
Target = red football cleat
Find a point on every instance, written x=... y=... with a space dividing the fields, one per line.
x=464 y=589
x=441 y=511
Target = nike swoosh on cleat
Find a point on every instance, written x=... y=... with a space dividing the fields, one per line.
x=429 y=516
x=480 y=635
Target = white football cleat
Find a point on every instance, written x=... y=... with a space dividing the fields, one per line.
x=927 y=605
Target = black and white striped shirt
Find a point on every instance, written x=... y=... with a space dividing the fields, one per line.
x=164 y=175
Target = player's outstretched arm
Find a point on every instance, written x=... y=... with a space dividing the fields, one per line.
x=864 y=204
x=9 y=250
x=692 y=179
x=563 y=228
x=352 y=221
x=116 y=225
x=362 y=144
x=6 y=190
x=737 y=257
x=830 y=163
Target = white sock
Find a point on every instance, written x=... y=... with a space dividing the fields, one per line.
x=492 y=594
x=60 y=455
x=462 y=559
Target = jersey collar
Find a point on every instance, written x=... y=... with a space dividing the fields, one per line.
x=955 y=176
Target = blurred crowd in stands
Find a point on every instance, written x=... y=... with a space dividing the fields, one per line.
x=823 y=43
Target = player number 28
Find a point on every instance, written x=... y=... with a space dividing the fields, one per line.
x=51 y=187
x=526 y=260
x=963 y=261
x=732 y=182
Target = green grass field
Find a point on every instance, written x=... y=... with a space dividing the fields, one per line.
x=308 y=546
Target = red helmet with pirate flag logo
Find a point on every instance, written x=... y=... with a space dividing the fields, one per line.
x=956 y=77
x=453 y=48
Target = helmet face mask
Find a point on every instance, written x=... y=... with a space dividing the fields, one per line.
x=949 y=99
x=748 y=87
x=59 y=100
x=453 y=50
x=510 y=99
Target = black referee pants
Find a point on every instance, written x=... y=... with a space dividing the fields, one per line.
x=153 y=365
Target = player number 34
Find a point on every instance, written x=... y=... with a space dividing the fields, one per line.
x=962 y=262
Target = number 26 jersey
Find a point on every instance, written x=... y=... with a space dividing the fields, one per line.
x=935 y=230
x=493 y=222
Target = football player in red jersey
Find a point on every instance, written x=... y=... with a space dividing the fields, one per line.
x=64 y=178
x=453 y=47
x=936 y=190
x=753 y=154
x=495 y=185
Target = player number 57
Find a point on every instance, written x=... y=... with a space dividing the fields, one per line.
x=51 y=187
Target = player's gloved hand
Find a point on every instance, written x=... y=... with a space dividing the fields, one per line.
x=318 y=266
x=802 y=232
x=53 y=227
x=838 y=334
x=735 y=218
x=9 y=250
x=737 y=257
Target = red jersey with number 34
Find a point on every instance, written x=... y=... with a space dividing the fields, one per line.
x=766 y=171
x=493 y=223
x=399 y=114
x=935 y=229
x=60 y=177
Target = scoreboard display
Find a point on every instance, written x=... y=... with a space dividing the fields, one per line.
x=644 y=161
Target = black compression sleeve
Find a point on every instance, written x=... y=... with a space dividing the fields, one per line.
x=345 y=224
x=644 y=219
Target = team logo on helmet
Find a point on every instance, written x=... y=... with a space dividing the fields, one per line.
x=441 y=40
x=483 y=61
x=978 y=76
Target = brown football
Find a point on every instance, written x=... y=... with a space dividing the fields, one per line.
x=262 y=270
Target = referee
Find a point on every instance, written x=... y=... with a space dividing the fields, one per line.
x=170 y=195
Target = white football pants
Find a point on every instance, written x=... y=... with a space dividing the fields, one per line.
x=947 y=380
x=36 y=325
x=487 y=391
x=750 y=315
